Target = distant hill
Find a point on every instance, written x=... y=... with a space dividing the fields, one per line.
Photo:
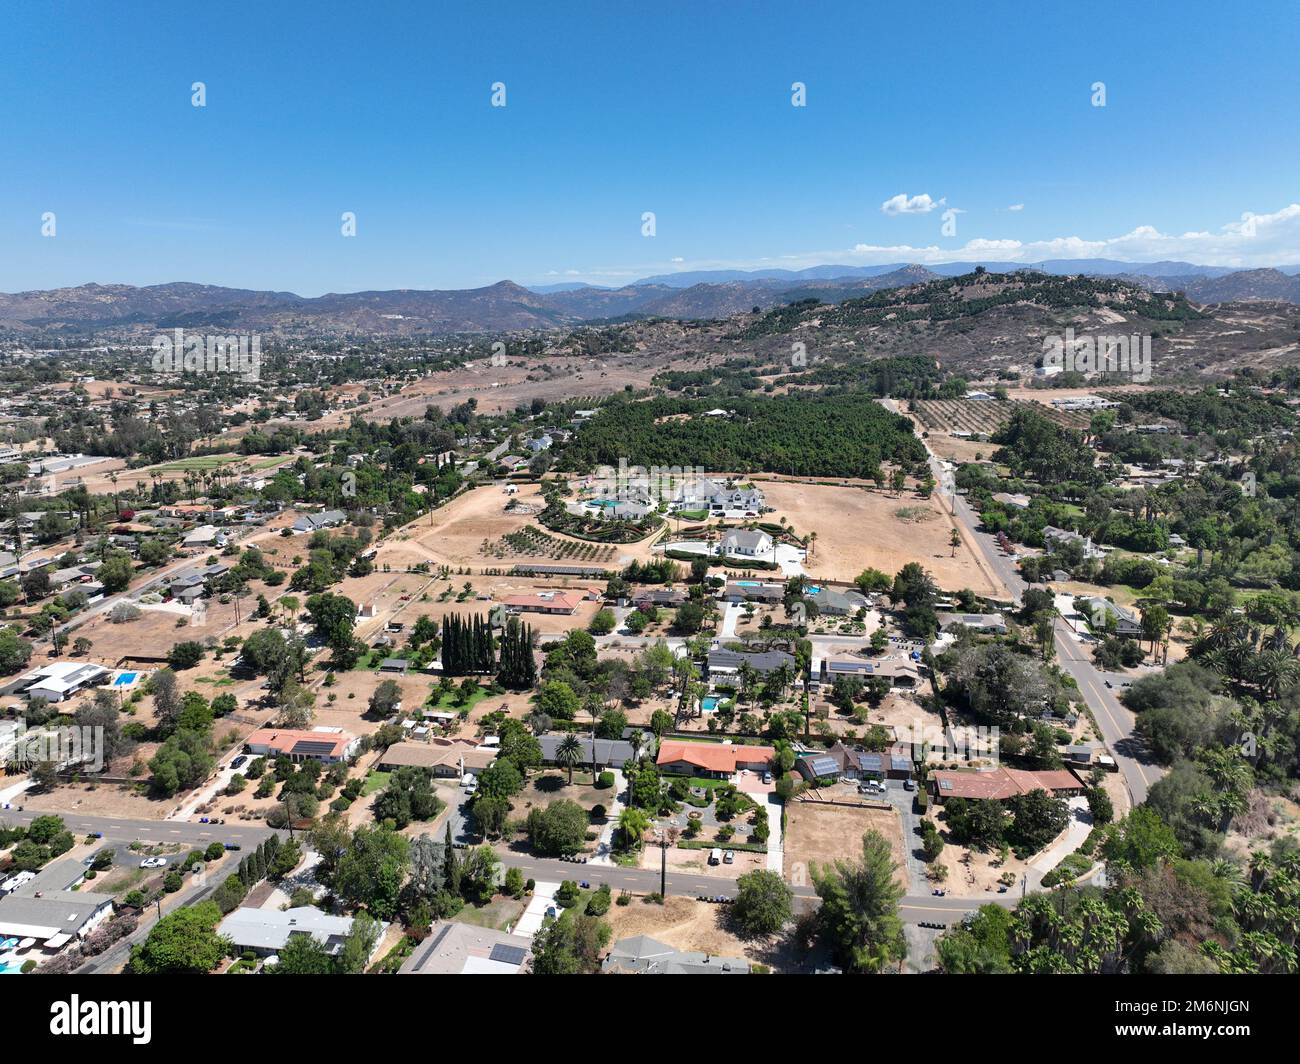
x=506 y=306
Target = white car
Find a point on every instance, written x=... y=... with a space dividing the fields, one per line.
x=154 y=862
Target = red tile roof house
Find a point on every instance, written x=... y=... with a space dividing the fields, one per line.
x=719 y=760
x=1002 y=783
x=327 y=746
x=544 y=602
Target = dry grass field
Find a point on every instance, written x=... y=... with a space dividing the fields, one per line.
x=820 y=833
x=687 y=924
x=857 y=529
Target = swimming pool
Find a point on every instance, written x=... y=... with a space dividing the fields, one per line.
x=708 y=705
x=125 y=680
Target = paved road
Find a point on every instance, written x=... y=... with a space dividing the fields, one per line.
x=158 y=831
x=1117 y=724
x=914 y=907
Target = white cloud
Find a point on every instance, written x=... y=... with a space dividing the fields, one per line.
x=1016 y=207
x=905 y=204
x=1261 y=240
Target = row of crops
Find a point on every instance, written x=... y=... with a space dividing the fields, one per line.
x=531 y=542
x=984 y=417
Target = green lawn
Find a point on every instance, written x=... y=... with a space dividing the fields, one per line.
x=185 y=465
x=496 y=914
x=449 y=703
x=376 y=781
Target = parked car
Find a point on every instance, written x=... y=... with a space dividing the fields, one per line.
x=154 y=862
x=715 y=856
x=767 y=777
x=729 y=857
x=233 y=846
x=909 y=785
x=239 y=761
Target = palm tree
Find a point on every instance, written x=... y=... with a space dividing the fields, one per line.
x=633 y=823
x=569 y=754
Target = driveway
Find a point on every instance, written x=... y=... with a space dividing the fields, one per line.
x=605 y=847
x=1078 y=829
x=533 y=916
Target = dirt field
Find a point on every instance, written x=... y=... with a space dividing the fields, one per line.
x=824 y=833
x=687 y=924
x=857 y=529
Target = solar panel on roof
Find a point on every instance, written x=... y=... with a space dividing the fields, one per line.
x=508 y=954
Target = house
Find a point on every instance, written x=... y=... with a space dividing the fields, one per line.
x=703 y=493
x=540 y=444
x=315 y=522
x=445 y=758
x=718 y=760
x=725 y=664
x=1062 y=537
x=1012 y=501
x=204 y=536
x=1127 y=625
x=397 y=665
x=753 y=591
x=813 y=767
x=46 y=907
x=606 y=753
x=988 y=623
x=561 y=602
x=668 y=597
x=1001 y=783
x=268 y=931
x=463 y=949
x=326 y=745
x=60 y=680
x=833 y=603
x=745 y=543
x=643 y=955
x=899 y=672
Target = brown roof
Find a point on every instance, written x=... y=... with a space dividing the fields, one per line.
x=436 y=755
x=1001 y=783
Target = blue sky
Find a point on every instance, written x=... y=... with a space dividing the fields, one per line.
x=612 y=110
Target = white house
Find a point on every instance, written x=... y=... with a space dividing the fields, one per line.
x=746 y=543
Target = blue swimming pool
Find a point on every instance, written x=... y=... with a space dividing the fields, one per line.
x=709 y=704
x=125 y=680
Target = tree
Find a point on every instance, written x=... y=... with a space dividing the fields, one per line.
x=859 y=917
x=559 y=829
x=558 y=701
x=570 y=945
x=409 y=796
x=358 y=945
x=633 y=823
x=15 y=652
x=602 y=623
x=303 y=955
x=116 y=571
x=334 y=617
x=184 y=942
x=185 y=655
x=979 y=945
x=568 y=753
x=386 y=700
x=1141 y=840
x=763 y=903
x=370 y=871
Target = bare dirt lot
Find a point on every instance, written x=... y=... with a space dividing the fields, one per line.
x=859 y=528
x=687 y=924
x=822 y=833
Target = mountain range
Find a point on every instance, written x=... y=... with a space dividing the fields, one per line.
x=506 y=306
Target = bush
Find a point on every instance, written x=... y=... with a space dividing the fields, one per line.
x=605 y=780
x=598 y=903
